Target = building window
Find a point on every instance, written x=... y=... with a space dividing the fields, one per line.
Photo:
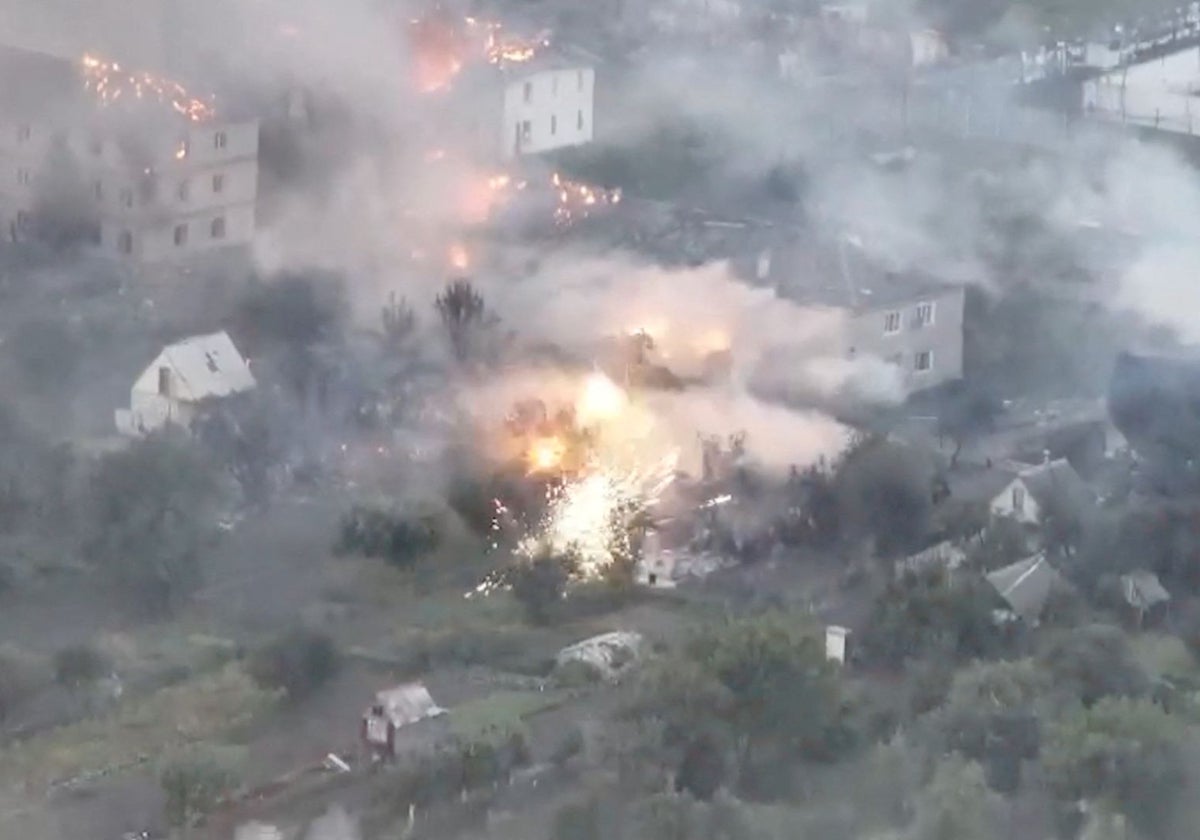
x=896 y=359
x=184 y=190
x=24 y=132
x=96 y=147
x=579 y=120
x=126 y=197
x=526 y=131
x=125 y=242
x=218 y=183
x=164 y=381
x=527 y=94
x=1018 y=498
x=98 y=190
x=891 y=323
x=181 y=233
x=217 y=228
x=924 y=317
x=220 y=140
x=553 y=124
x=22 y=220
x=579 y=79
x=554 y=86
x=923 y=361
x=23 y=176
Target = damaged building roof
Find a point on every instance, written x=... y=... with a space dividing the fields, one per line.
x=207 y=366
x=1056 y=480
x=834 y=272
x=1142 y=590
x=1026 y=585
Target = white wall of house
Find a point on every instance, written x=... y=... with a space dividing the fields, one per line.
x=179 y=236
x=200 y=201
x=922 y=336
x=153 y=403
x=546 y=110
x=1155 y=94
x=1015 y=502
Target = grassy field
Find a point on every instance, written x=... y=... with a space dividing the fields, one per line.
x=205 y=708
x=500 y=713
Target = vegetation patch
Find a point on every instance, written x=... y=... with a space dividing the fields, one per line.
x=197 y=710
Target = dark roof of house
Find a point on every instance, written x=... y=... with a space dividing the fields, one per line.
x=1056 y=480
x=970 y=483
x=1026 y=585
x=835 y=272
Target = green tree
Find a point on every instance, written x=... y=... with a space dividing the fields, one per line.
x=956 y=805
x=1093 y=662
x=152 y=512
x=886 y=490
x=1124 y=754
x=758 y=689
x=400 y=539
x=464 y=315
x=991 y=716
x=932 y=613
x=540 y=583
x=195 y=781
x=298 y=662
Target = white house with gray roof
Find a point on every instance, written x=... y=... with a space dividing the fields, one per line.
x=181 y=380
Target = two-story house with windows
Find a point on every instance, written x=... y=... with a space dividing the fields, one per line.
x=910 y=321
x=159 y=185
x=531 y=107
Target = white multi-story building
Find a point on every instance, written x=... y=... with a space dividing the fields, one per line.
x=519 y=108
x=155 y=184
x=548 y=105
x=912 y=324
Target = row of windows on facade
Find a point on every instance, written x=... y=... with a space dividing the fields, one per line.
x=922 y=317
x=527 y=91
x=216 y=230
x=125 y=196
x=527 y=126
x=220 y=140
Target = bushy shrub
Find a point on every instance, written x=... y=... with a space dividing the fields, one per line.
x=298 y=662
x=78 y=666
x=400 y=539
x=540 y=584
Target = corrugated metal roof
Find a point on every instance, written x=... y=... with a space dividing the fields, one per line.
x=208 y=366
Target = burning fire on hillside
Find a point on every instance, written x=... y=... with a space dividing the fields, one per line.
x=443 y=46
x=605 y=471
x=577 y=200
x=111 y=83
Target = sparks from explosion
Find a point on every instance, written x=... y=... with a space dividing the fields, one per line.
x=596 y=502
x=111 y=83
x=577 y=199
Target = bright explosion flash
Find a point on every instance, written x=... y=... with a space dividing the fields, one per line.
x=595 y=505
x=592 y=517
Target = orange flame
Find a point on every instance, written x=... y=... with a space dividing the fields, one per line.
x=110 y=83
